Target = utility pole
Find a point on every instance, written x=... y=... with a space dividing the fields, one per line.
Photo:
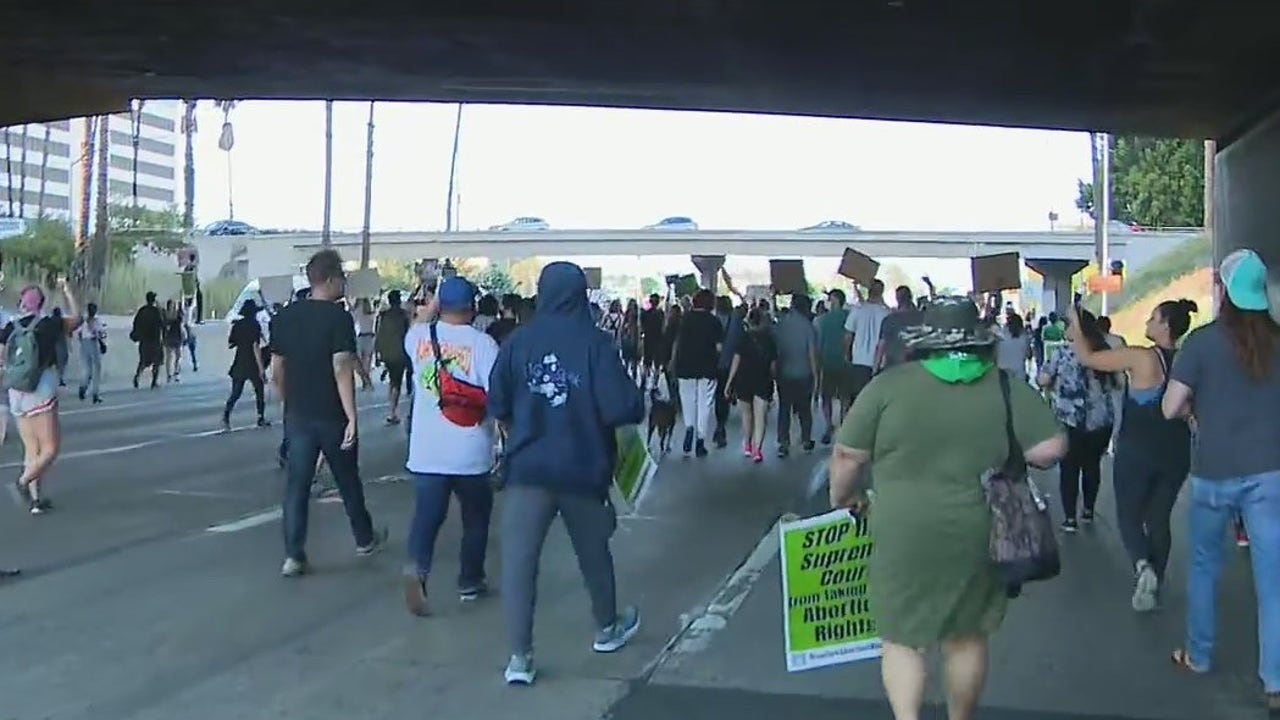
x=80 y=265
x=365 y=239
x=326 y=238
x=1102 y=204
x=1210 y=156
x=453 y=170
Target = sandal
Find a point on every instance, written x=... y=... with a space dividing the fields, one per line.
x=1182 y=661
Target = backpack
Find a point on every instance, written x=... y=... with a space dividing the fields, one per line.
x=22 y=369
x=461 y=402
x=389 y=341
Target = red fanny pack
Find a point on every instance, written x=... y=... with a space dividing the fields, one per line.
x=461 y=402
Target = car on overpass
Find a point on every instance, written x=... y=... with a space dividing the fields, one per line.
x=522 y=224
x=832 y=226
x=673 y=223
x=230 y=227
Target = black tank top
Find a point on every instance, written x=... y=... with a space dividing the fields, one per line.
x=1144 y=428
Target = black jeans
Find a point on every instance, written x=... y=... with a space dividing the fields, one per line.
x=1146 y=487
x=722 y=404
x=1081 y=469
x=307 y=438
x=795 y=395
x=237 y=389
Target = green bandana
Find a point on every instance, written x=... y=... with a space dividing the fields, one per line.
x=957 y=367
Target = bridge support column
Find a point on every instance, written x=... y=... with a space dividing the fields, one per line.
x=1242 y=211
x=708 y=270
x=1057 y=282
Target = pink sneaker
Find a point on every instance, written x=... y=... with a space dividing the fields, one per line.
x=747 y=450
x=757 y=456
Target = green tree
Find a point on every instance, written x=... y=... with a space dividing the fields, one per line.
x=494 y=279
x=651 y=286
x=1155 y=182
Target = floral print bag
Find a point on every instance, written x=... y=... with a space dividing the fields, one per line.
x=1023 y=545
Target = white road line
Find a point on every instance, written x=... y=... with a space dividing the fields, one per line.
x=245 y=523
x=198 y=494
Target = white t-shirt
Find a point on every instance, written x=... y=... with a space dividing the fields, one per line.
x=1011 y=352
x=864 y=322
x=364 y=320
x=437 y=446
x=91 y=329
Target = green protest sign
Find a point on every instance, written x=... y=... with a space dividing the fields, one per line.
x=826 y=611
x=635 y=467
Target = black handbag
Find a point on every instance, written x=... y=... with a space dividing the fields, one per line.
x=1022 y=544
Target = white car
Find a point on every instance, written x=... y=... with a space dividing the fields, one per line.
x=832 y=226
x=522 y=224
x=673 y=223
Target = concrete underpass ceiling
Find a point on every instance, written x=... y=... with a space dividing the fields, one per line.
x=1194 y=68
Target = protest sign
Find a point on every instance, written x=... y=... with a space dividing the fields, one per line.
x=635 y=466
x=687 y=285
x=993 y=273
x=364 y=283
x=858 y=267
x=595 y=277
x=787 y=277
x=276 y=288
x=826 y=612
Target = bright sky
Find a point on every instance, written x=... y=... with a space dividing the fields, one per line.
x=600 y=168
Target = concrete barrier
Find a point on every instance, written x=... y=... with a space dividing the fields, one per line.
x=121 y=360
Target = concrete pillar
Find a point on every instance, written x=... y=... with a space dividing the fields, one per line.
x=1245 y=211
x=1057 y=281
x=709 y=270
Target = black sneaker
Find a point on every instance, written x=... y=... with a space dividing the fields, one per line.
x=783 y=451
x=378 y=542
x=718 y=437
x=826 y=437
x=82 y=392
x=807 y=446
x=263 y=422
x=700 y=449
x=6 y=573
x=97 y=399
x=474 y=591
x=688 y=441
x=1070 y=526
x=1086 y=517
x=135 y=382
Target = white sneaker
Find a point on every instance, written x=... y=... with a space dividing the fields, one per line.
x=520 y=670
x=1145 y=588
x=294 y=568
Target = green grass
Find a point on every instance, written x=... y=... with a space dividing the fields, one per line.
x=125 y=285
x=1182 y=260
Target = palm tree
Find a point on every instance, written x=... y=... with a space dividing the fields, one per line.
x=98 y=255
x=44 y=168
x=22 y=173
x=325 y=231
x=136 y=117
x=189 y=165
x=226 y=141
x=81 y=268
x=8 y=169
x=365 y=239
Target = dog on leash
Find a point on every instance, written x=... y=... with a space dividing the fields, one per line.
x=662 y=420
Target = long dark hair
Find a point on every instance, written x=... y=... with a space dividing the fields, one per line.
x=1177 y=315
x=1097 y=342
x=1014 y=322
x=1253 y=336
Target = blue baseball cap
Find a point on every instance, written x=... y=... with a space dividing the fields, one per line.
x=456 y=293
x=1244 y=278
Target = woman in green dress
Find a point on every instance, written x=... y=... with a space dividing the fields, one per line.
x=929 y=429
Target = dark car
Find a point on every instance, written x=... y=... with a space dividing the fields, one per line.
x=230 y=227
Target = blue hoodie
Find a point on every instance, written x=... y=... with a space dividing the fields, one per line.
x=562 y=390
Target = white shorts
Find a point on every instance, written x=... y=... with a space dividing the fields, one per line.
x=41 y=400
x=364 y=344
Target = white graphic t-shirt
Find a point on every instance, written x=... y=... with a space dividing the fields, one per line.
x=864 y=322
x=437 y=446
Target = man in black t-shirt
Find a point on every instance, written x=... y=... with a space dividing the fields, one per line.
x=314 y=365
x=652 y=322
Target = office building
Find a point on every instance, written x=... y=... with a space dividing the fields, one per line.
x=44 y=172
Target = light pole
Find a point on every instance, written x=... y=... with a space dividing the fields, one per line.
x=453 y=170
x=1102 y=204
x=326 y=238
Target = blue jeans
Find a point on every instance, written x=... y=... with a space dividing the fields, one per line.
x=1213 y=504
x=475 y=499
x=306 y=439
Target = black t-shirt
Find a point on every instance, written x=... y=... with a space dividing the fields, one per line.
x=245 y=332
x=48 y=332
x=696 y=353
x=500 y=329
x=307 y=334
x=148 y=325
x=651 y=322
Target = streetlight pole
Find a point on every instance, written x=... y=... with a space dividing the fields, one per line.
x=326 y=238
x=1102 y=205
x=453 y=170
x=365 y=238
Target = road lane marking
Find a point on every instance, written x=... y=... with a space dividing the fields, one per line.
x=199 y=494
x=245 y=523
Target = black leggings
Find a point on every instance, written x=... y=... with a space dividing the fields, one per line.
x=1081 y=469
x=237 y=389
x=1146 y=486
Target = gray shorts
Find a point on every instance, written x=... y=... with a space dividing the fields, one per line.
x=41 y=400
x=364 y=344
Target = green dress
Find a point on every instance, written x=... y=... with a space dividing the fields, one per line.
x=930 y=441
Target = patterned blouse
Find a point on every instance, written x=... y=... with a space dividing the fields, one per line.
x=1080 y=399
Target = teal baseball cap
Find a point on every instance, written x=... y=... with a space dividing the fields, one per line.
x=1244 y=278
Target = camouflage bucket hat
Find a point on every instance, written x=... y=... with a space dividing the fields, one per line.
x=949 y=322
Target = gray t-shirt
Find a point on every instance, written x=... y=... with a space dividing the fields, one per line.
x=895 y=351
x=795 y=339
x=1237 y=418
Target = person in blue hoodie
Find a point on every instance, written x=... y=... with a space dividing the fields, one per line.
x=561 y=391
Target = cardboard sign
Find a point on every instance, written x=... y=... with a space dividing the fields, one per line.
x=276 y=288
x=993 y=273
x=1106 y=284
x=787 y=277
x=364 y=283
x=594 y=277
x=687 y=285
x=858 y=267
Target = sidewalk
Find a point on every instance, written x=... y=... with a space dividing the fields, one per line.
x=121 y=360
x=1070 y=648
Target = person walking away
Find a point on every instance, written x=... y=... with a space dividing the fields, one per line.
x=1082 y=401
x=562 y=393
x=61 y=351
x=451 y=441
x=148 y=333
x=890 y=349
x=750 y=382
x=173 y=341
x=314 y=367
x=1014 y=348
x=189 y=321
x=1153 y=454
x=670 y=333
x=629 y=338
x=834 y=371
x=365 y=319
x=91 y=341
x=611 y=322
x=245 y=339
x=393 y=325
x=487 y=311
x=862 y=335
x=501 y=328
x=652 y=325
x=932 y=428
x=797 y=372
x=27 y=345
x=731 y=329
x=1053 y=336
x=695 y=363
x=1228 y=374
x=1037 y=343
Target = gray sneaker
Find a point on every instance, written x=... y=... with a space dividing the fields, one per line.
x=1145 y=588
x=614 y=637
x=294 y=568
x=378 y=542
x=520 y=670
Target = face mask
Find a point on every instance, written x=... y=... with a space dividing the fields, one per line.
x=957 y=367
